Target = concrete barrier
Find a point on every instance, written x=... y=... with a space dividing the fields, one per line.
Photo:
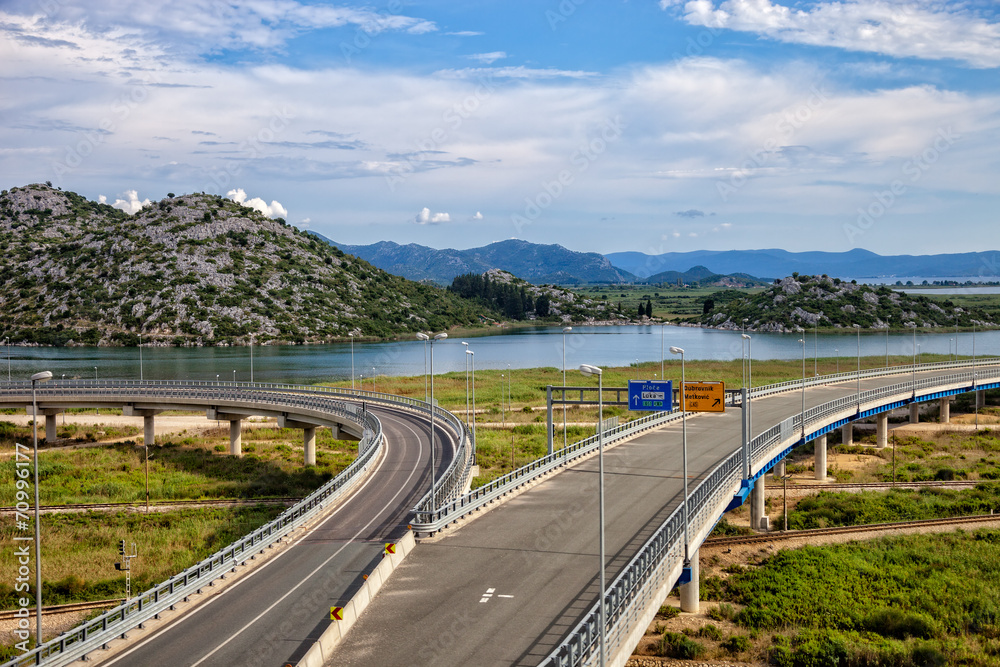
x=322 y=651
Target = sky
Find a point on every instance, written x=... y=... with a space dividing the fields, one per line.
x=600 y=125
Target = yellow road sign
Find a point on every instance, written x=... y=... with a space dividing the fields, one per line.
x=704 y=397
x=336 y=613
x=390 y=548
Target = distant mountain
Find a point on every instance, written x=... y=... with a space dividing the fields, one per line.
x=700 y=275
x=775 y=263
x=535 y=263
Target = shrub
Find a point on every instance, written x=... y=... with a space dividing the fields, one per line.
x=925 y=655
x=737 y=644
x=710 y=631
x=722 y=612
x=899 y=624
x=668 y=612
x=676 y=645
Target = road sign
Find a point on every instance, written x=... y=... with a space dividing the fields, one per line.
x=704 y=397
x=648 y=395
x=390 y=548
x=336 y=613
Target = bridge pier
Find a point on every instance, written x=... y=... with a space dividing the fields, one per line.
x=945 y=411
x=758 y=518
x=689 y=591
x=847 y=435
x=882 y=430
x=50 y=422
x=309 y=443
x=819 y=447
x=148 y=422
x=236 y=437
x=914 y=413
x=779 y=469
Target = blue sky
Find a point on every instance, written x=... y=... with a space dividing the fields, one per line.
x=603 y=126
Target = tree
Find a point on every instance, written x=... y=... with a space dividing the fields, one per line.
x=709 y=305
x=542 y=305
x=649 y=307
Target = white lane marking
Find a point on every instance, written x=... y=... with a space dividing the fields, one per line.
x=505 y=596
x=204 y=605
x=489 y=593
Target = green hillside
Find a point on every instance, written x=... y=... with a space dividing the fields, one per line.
x=808 y=301
x=192 y=270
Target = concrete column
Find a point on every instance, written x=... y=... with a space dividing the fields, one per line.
x=235 y=437
x=309 y=440
x=945 y=410
x=914 y=413
x=819 y=444
x=757 y=515
x=882 y=430
x=847 y=435
x=335 y=432
x=50 y=428
x=779 y=469
x=689 y=591
x=148 y=430
x=980 y=399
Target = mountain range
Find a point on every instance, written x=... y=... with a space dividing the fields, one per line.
x=538 y=264
x=775 y=263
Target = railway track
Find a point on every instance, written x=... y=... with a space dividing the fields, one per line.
x=65 y=608
x=840 y=530
x=80 y=507
x=879 y=486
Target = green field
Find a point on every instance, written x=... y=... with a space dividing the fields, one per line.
x=669 y=303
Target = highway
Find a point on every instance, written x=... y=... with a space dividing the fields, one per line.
x=273 y=614
x=506 y=588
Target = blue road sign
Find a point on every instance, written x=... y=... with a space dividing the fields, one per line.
x=650 y=396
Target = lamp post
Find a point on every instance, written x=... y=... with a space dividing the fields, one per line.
x=352 y=362
x=837 y=352
x=375 y=373
x=234 y=376
x=472 y=355
x=858 y=327
x=35 y=379
x=914 y=366
x=662 y=326
x=466 y=383
x=565 y=331
x=803 y=341
x=251 y=358
x=7 y=342
x=684 y=455
x=816 y=347
x=588 y=370
x=140 y=357
x=749 y=384
x=510 y=406
x=503 y=415
x=424 y=337
x=887 y=346
x=95 y=382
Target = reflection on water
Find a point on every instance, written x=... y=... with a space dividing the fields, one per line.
x=524 y=348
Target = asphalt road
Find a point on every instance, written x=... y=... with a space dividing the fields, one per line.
x=505 y=588
x=272 y=615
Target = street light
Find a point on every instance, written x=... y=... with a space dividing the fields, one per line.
x=234 y=376
x=352 y=362
x=472 y=355
x=466 y=383
x=589 y=370
x=749 y=341
x=565 y=331
x=95 y=381
x=140 y=356
x=816 y=346
x=251 y=358
x=35 y=379
x=803 y=341
x=684 y=449
x=858 y=327
x=373 y=379
x=837 y=352
x=424 y=337
x=7 y=342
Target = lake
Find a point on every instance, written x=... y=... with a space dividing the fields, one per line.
x=521 y=348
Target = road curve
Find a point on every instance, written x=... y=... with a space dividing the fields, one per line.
x=273 y=614
x=506 y=588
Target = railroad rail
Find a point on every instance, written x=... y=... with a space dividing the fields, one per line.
x=843 y=530
x=221 y=502
x=50 y=610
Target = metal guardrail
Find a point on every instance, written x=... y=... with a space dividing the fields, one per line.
x=633 y=589
x=96 y=632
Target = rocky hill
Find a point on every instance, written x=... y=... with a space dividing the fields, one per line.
x=807 y=301
x=517 y=299
x=196 y=269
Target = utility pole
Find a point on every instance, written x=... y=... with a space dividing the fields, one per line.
x=125 y=565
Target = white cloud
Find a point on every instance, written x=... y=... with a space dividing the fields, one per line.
x=130 y=205
x=425 y=217
x=488 y=58
x=477 y=216
x=904 y=28
x=518 y=72
x=272 y=210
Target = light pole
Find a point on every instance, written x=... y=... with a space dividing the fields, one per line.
x=858 y=327
x=373 y=379
x=35 y=379
x=466 y=383
x=251 y=358
x=662 y=326
x=914 y=347
x=588 y=370
x=565 y=331
x=7 y=342
x=140 y=357
x=636 y=369
x=472 y=355
x=95 y=382
x=234 y=376
x=684 y=450
x=352 y=364
x=424 y=337
x=503 y=415
x=837 y=352
x=887 y=345
x=950 y=357
x=803 y=341
x=816 y=347
x=749 y=384
x=510 y=407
